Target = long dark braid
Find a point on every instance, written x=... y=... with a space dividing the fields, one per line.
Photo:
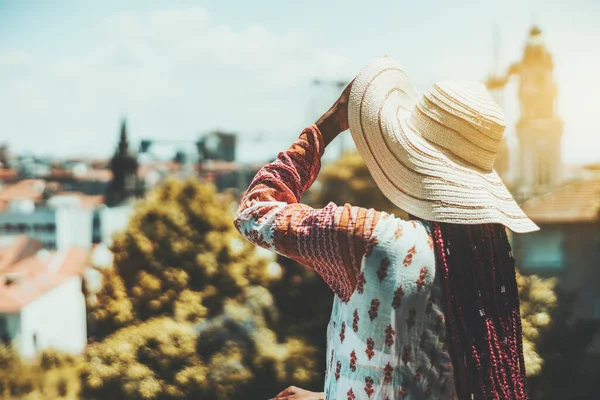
x=482 y=310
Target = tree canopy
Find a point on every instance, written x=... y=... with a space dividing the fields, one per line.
x=186 y=310
x=348 y=181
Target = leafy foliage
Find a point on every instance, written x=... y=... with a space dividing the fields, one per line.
x=52 y=376
x=304 y=301
x=563 y=342
x=110 y=308
x=348 y=181
x=186 y=312
x=178 y=250
x=538 y=302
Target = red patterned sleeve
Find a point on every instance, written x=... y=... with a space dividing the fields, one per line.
x=332 y=240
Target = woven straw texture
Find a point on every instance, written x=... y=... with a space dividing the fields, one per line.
x=433 y=155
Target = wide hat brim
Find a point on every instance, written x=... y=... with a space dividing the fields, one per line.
x=416 y=175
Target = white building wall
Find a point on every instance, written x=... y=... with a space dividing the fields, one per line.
x=74 y=227
x=56 y=320
x=114 y=220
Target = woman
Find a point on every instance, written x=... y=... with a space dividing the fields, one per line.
x=427 y=308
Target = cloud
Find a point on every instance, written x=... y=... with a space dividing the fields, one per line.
x=174 y=74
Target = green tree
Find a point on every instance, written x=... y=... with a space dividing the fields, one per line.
x=348 y=181
x=304 y=301
x=231 y=356
x=52 y=376
x=180 y=248
x=569 y=369
x=201 y=322
x=108 y=309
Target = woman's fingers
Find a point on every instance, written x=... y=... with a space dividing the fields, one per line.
x=294 y=393
x=287 y=392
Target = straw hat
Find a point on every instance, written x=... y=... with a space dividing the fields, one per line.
x=433 y=157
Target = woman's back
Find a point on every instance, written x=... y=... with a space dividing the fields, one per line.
x=389 y=339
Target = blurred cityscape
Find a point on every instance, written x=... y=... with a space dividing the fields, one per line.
x=59 y=217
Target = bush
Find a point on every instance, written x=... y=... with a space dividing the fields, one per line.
x=54 y=376
x=200 y=321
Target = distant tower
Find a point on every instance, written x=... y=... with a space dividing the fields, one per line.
x=4 y=157
x=495 y=85
x=124 y=165
x=539 y=129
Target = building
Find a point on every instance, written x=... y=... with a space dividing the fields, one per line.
x=217 y=146
x=496 y=87
x=539 y=129
x=568 y=243
x=538 y=167
x=110 y=220
x=563 y=200
x=8 y=175
x=24 y=193
x=125 y=184
x=227 y=175
x=61 y=221
x=42 y=304
x=81 y=178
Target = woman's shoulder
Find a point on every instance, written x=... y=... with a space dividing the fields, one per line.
x=393 y=234
x=390 y=226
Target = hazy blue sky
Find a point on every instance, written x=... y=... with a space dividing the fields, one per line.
x=70 y=69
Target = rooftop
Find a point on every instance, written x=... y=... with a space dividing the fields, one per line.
x=34 y=273
x=92 y=174
x=27 y=189
x=16 y=248
x=575 y=201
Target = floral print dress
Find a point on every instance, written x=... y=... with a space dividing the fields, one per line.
x=386 y=336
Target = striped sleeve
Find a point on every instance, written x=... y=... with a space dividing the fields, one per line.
x=331 y=240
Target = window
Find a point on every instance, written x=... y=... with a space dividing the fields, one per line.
x=4 y=336
x=543 y=249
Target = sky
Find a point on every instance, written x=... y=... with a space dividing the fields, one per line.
x=71 y=70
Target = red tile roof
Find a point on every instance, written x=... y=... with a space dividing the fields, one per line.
x=6 y=174
x=25 y=189
x=36 y=275
x=17 y=248
x=102 y=175
x=576 y=201
x=31 y=189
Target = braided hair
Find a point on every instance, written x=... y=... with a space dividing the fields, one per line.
x=482 y=310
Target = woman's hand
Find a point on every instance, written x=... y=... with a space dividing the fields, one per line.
x=335 y=120
x=294 y=393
